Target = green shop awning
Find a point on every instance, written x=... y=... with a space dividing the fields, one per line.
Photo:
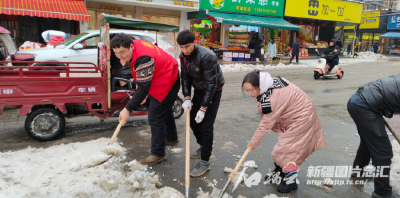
x=135 y=24
x=240 y=19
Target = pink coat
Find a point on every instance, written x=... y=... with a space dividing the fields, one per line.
x=294 y=120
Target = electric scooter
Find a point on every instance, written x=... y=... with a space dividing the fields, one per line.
x=322 y=68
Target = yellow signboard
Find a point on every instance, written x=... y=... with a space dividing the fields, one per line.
x=330 y=10
x=370 y=20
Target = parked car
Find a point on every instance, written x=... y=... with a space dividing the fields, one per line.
x=83 y=47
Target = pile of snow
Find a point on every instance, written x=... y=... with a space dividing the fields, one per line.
x=395 y=169
x=176 y=150
x=311 y=63
x=72 y=170
x=237 y=67
x=372 y=55
x=271 y=196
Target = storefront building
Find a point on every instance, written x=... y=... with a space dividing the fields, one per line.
x=373 y=25
x=391 y=40
x=27 y=19
x=171 y=12
x=230 y=27
x=318 y=20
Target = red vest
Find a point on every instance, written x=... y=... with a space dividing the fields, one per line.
x=166 y=68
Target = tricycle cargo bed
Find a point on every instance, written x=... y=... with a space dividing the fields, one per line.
x=29 y=86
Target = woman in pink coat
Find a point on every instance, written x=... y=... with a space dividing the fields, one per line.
x=290 y=113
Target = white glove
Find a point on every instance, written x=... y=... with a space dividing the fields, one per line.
x=187 y=104
x=199 y=116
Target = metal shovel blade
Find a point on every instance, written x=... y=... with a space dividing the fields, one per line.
x=216 y=192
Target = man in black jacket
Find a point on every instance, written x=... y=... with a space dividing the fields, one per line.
x=376 y=47
x=200 y=69
x=336 y=51
x=339 y=44
x=295 y=51
x=367 y=106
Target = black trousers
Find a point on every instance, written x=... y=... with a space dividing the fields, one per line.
x=297 y=58
x=204 y=131
x=375 y=144
x=332 y=63
x=162 y=121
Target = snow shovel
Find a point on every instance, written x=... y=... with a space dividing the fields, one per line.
x=392 y=131
x=220 y=193
x=112 y=141
x=187 y=162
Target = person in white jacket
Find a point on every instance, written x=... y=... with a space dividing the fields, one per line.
x=271 y=50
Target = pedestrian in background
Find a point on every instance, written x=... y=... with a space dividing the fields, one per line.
x=257 y=49
x=349 y=49
x=271 y=50
x=376 y=47
x=295 y=51
x=340 y=45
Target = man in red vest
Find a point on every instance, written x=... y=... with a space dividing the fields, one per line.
x=157 y=76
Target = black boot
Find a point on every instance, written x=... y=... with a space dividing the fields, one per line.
x=288 y=183
x=270 y=176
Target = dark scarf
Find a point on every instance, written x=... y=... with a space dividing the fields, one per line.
x=264 y=97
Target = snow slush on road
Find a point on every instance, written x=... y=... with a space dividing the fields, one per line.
x=68 y=170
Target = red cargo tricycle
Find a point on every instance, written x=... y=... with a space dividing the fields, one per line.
x=48 y=94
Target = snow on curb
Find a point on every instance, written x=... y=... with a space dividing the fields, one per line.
x=363 y=57
x=38 y=172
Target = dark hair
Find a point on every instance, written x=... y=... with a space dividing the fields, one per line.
x=253 y=78
x=121 y=39
x=185 y=37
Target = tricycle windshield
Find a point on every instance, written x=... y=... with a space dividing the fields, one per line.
x=8 y=43
x=71 y=40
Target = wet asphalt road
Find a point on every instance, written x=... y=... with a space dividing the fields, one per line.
x=236 y=122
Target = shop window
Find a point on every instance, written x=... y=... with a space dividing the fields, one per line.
x=96 y=15
x=164 y=20
x=131 y=16
x=92 y=24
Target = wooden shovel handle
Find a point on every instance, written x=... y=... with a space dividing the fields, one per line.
x=115 y=133
x=187 y=162
x=239 y=164
x=392 y=131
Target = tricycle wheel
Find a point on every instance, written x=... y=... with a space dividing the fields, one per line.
x=45 y=124
x=177 y=108
x=317 y=75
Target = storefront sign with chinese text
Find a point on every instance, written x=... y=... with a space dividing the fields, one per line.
x=184 y=3
x=394 y=22
x=330 y=10
x=370 y=20
x=259 y=7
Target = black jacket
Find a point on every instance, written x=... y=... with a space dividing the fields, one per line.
x=339 y=43
x=257 y=48
x=383 y=95
x=376 y=46
x=201 y=70
x=330 y=49
x=296 y=48
x=349 y=47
